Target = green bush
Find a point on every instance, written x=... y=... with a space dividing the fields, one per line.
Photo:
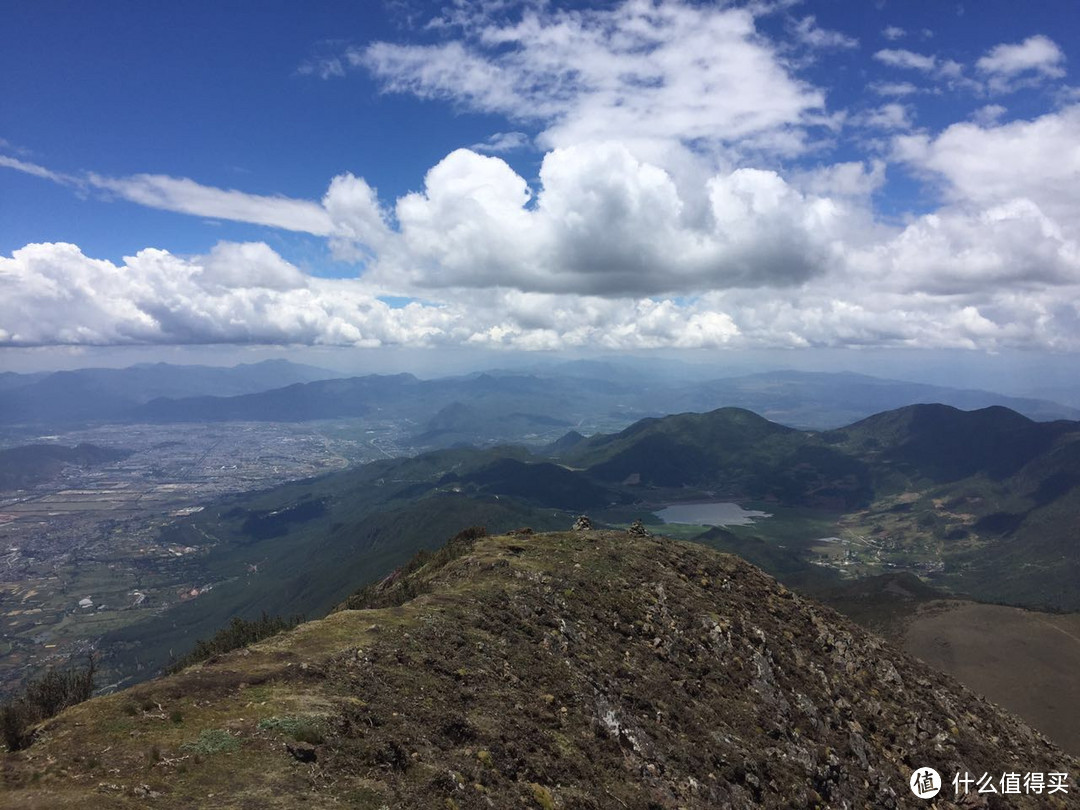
x=238 y=633
x=400 y=587
x=42 y=698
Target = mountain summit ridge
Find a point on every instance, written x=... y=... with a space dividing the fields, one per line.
x=568 y=670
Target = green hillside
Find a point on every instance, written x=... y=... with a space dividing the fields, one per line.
x=730 y=450
x=913 y=490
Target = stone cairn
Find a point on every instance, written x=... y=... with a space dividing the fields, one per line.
x=582 y=524
x=637 y=529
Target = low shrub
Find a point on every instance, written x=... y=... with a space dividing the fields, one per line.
x=238 y=633
x=42 y=698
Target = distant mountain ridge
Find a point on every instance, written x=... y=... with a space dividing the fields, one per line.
x=801 y=399
x=491 y=407
x=107 y=394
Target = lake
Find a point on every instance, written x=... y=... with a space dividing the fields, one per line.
x=720 y=513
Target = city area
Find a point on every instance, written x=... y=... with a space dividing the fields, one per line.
x=83 y=553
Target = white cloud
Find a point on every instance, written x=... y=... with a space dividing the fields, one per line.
x=1011 y=246
x=1031 y=61
x=669 y=72
x=240 y=293
x=893 y=33
x=901 y=58
x=502 y=142
x=989 y=114
x=244 y=293
x=349 y=213
x=888 y=116
x=894 y=88
x=809 y=33
x=358 y=222
x=38 y=171
x=658 y=217
x=188 y=197
x=1037 y=160
x=234 y=265
x=329 y=67
x=851 y=179
x=604 y=223
x=946 y=72
x=926 y=286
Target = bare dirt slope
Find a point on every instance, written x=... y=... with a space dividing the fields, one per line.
x=1026 y=661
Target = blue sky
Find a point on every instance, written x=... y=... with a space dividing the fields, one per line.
x=531 y=176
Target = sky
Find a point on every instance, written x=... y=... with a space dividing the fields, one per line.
x=818 y=178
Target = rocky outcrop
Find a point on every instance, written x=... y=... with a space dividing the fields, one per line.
x=577 y=670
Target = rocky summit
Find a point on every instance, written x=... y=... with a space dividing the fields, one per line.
x=588 y=669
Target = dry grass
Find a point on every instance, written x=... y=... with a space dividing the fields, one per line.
x=1023 y=660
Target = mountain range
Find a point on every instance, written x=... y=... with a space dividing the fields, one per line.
x=110 y=395
x=488 y=407
x=914 y=489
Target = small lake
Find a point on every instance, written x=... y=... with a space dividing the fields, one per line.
x=720 y=513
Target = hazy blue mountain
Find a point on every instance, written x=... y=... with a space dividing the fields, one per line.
x=482 y=423
x=107 y=394
x=505 y=405
x=479 y=407
x=10 y=379
x=324 y=399
x=818 y=400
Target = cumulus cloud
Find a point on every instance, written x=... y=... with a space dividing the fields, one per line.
x=604 y=223
x=986 y=165
x=1009 y=246
x=239 y=293
x=850 y=179
x=923 y=286
x=658 y=216
x=1011 y=66
x=245 y=293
